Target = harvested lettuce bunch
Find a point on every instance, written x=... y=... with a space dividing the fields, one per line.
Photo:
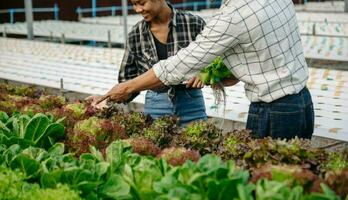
x=215 y=72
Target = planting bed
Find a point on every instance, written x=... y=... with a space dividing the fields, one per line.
x=51 y=148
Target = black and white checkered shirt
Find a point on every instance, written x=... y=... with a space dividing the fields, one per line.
x=259 y=41
x=141 y=54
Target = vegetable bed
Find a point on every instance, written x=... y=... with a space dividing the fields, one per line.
x=54 y=149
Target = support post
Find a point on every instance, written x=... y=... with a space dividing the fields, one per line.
x=63 y=39
x=94 y=8
x=113 y=10
x=4 y=34
x=125 y=14
x=62 y=91
x=109 y=38
x=56 y=12
x=11 y=16
x=51 y=36
x=29 y=18
x=79 y=13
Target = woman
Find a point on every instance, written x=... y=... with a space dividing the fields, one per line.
x=162 y=32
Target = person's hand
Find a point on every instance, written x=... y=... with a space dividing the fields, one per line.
x=94 y=99
x=119 y=94
x=194 y=82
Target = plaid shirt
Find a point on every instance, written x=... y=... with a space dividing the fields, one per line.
x=259 y=41
x=141 y=54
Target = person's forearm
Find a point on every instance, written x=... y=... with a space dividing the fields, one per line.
x=146 y=81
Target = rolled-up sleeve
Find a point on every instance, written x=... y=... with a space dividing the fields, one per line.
x=128 y=69
x=220 y=34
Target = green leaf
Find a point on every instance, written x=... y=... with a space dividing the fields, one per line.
x=61 y=120
x=56 y=150
x=51 y=134
x=11 y=184
x=58 y=192
x=296 y=193
x=215 y=72
x=4 y=140
x=30 y=167
x=101 y=168
x=245 y=192
x=22 y=142
x=97 y=154
x=4 y=129
x=204 y=77
x=36 y=127
x=266 y=189
x=116 y=188
x=328 y=192
x=15 y=128
x=209 y=162
x=115 y=154
x=22 y=122
x=3 y=117
x=38 y=154
x=80 y=179
x=224 y=189
x=11 y=152
x=51 y=179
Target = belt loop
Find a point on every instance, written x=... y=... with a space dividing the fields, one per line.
x=303 y=96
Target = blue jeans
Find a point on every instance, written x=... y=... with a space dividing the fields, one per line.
x=284 y=118
x=187 y=104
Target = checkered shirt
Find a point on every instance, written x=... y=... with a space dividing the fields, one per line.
x=259 y=41
x=141 y=54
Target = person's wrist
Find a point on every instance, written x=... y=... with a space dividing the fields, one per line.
x=130 y=87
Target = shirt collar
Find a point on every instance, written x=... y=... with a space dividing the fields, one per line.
x=173 y=21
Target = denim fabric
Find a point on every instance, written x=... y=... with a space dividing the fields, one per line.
x=284 y=118
x=187 y=104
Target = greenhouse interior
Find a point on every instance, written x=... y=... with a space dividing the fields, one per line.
x=174 y=99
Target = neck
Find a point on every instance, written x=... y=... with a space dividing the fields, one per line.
x=164 y=16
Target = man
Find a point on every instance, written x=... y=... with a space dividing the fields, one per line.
x=259 y=41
